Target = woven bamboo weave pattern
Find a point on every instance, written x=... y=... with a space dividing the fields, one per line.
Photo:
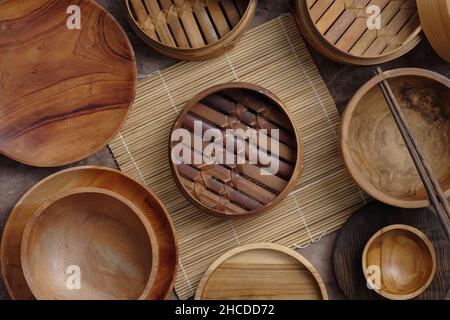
x=275 y=57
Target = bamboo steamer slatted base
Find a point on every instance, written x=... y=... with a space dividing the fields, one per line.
x=230 y=189
x=190 y=29
x=339 y=29
x=275 y=57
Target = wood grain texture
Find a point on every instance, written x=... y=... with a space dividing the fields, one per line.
x=261 y=272
x=103 y=234
x=190 y=29
x=89 y=177
x=65 y=93
x=373 y=149
x=435 y=20
x=339 y=30
x=406 y=260
x=360 y=227
x=234 y=190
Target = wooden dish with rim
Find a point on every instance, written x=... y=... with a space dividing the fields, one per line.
x=190 y=29
x=406 y=261
x=89 y=177
x=262 y=271
x=339 y=30
x=373 y=149
x=235 y=190
x=65 y=93
x=101 y=233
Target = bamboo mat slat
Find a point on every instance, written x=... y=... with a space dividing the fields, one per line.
x=274 y=56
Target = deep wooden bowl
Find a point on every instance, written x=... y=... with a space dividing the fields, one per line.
x=405 y=259
x=65 y=93
x=263 y=271
x=89 y=177
x=373 y=149
x=101 y=233
x=237 y=190
x=339 y=30
x=190 y=29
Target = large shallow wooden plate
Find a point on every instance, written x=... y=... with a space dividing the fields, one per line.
x=361 y=226
x=89 y=177
x=261 y=272
x=64 y=93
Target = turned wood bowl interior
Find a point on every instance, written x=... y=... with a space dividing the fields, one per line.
x=237 y=190
x=405 y=258
x=186 y=24
x=103 y=234
x=373 y=148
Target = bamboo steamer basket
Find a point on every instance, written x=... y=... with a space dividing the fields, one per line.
x=435 y=19
x=237 y=190
x=190 y=29
x=338 y=29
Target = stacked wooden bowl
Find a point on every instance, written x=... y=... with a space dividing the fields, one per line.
x=89 y=233
x=190 y=29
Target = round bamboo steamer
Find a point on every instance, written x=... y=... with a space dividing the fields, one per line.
x=190 y=29
x=405 y=259
x=338 y=29
x=237 y=190
x=263 y=271
x=435 y=20
x=373 y=149
x=100 y=232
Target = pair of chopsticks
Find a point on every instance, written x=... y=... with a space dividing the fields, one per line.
x=435 y=193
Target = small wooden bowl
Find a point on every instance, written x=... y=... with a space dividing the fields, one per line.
x=262 y=271
x=405 y=259
x=339 y=29
x=65 y=93
x=190 y=29
x=101 y=233
x=373 y=149
x=232 y=190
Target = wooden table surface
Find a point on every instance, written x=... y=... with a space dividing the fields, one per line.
x=343 y=81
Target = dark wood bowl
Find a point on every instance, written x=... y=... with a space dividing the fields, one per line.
x=100 y=233
x=402 y=258
x=230 y=188
x=373 y=149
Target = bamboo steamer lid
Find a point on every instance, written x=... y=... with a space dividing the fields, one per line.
x=435 y=20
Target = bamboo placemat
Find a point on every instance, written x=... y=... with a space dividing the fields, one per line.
x=274 y=56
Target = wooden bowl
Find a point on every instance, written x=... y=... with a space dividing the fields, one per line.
x=263 y=271
x=89 y=177
x=65 y=93
x=405 y=260
x=101 y=233
x=190 y=29
x=373 y=149
x=339 y=29
x=435 y=20
x=229 y=188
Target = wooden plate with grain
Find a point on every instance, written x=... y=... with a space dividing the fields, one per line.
x=65 y=91
x=261 y=272
x=229 y=173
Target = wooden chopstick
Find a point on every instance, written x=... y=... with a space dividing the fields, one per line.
x=435 y=193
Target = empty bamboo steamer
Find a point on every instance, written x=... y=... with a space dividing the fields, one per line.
x=352 y=31
x=218 y=182
x=190 y=29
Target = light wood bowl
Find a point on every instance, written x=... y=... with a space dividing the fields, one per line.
x=373 y=149
x=338 y=29
x=103 y=234
x=235 y=190
x=405 y=258
x=262 y=271
x=190 y=29
x=65 y=93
